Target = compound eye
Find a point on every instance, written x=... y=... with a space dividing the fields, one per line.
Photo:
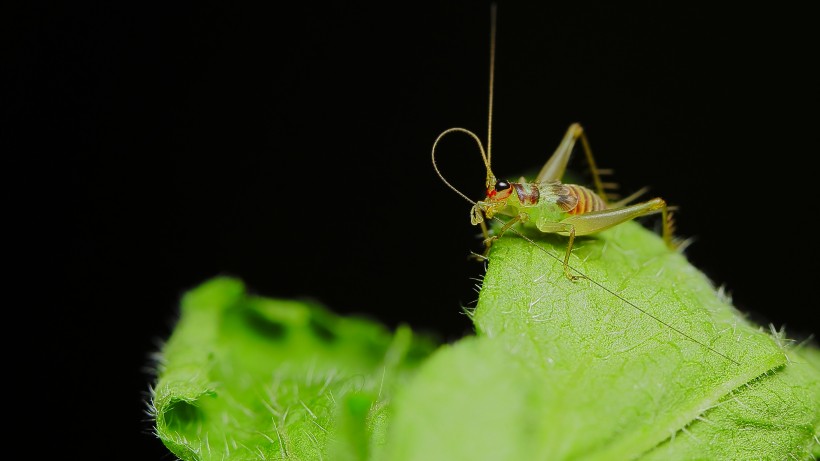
x=501 y=186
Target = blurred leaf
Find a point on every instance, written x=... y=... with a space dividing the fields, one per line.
x=244 y=378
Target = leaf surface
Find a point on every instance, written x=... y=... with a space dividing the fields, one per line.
x=581 y=370
x=249 y=378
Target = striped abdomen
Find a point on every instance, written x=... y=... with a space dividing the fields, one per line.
x=587 y=199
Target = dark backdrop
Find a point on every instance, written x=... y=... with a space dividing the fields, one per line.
x=289 y=146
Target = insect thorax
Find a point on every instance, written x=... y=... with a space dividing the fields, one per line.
x=536 y=201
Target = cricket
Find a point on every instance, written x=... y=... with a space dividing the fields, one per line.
x=554 y=207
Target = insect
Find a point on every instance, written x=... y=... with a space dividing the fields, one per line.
x=552 y=206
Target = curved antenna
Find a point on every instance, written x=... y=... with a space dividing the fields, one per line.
x=493 y=9
x=491 y=180
x=483 y=157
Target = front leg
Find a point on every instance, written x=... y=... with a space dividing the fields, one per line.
x=520 y=217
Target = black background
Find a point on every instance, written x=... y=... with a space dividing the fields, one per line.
x=290 y=146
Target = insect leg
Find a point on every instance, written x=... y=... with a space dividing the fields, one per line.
x=596 y=221
x=629 y=198
x=520 y=217
x=555 y=167
x=560 y=228
x=487 y=239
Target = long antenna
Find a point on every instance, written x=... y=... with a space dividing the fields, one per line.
x=485 y=155
x=493 y=15
x=480 y=149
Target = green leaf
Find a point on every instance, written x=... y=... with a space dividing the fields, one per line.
x=772 y=417
x=244 y=377
x=473 y=400
x=610 y=368
x=644 y=359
